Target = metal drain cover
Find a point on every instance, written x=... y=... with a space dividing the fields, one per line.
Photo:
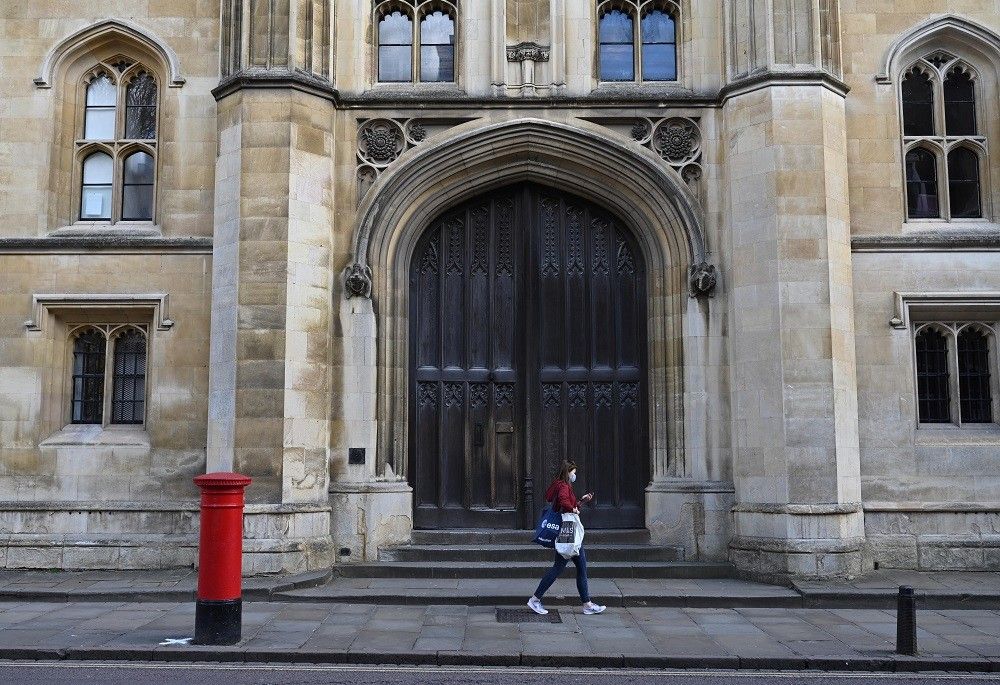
x=526 y=615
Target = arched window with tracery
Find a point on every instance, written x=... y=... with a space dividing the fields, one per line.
x=637 y=40
x=955 y=374
x=128 y=396
x=933 y=376
x=944 y=148
x=416 y=41
x=117 y=149
x=109 y=374
x=89 y=350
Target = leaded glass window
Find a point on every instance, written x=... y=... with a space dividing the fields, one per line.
x=437 y=47
x=129 y=381
x=918 y=104
x=416 y=40
x=637 y=40
x=921 y=184
x=932 y=377
x=395 y=47
x=117 y=153
x=659 y=47
x=87 y=405
x=99 y=117
x=137 y=187
x=140 y=108
x=95 y=195
x=959 y=103
x=617 y=46
x=943 y=149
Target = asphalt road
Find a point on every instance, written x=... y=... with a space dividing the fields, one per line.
x=68 y=673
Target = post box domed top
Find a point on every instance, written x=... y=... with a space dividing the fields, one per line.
x=222 y=479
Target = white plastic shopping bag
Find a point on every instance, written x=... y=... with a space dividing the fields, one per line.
x=570 y=538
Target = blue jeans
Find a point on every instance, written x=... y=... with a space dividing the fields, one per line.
x=557 y=568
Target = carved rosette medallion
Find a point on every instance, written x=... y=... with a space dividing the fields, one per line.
x=380 y=143
x=678 y=142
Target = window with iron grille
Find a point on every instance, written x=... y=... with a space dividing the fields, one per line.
x=974 y=376
x=129 y=383
x=89 y=351
x=932 y=377
x=954 y=372
x=112 y=357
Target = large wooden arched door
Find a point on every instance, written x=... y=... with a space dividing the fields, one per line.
x=527 y=347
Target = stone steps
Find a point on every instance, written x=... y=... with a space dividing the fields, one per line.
x=531 y=569
x=481 y=536
x=610 y=553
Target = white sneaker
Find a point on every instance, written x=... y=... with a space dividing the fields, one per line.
x=590 y=608
x=536 y=606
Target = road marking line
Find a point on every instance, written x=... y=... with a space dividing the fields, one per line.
x=360 y=668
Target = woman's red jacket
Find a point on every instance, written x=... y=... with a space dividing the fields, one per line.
x=560 y=493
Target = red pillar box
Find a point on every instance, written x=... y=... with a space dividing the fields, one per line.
x=219 y=609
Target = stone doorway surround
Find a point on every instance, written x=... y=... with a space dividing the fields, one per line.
x=371 y=502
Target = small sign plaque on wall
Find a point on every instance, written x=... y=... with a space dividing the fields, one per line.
x=356 y=455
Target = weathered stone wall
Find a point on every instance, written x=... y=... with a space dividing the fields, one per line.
x=759 y=383
x=930 y=492
x=930 y=495
x=58 y=471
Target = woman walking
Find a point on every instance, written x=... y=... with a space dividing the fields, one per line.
x=560 y=494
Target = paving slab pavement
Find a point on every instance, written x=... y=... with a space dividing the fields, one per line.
x=674 y=637
x=935 y=590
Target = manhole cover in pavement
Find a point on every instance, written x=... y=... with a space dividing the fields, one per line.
x=527 y=616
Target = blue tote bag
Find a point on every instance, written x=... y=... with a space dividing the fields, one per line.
x=548 y=528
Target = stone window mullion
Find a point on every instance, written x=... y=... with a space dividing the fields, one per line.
x=637 y=43
x=953 y=376
x=944 y=186
x=994 y=360
x=415 y=51
x=109 y=364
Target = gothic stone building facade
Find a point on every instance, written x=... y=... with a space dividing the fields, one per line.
x=396 y=259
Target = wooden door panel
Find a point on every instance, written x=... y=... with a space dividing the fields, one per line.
x=589 y=310
x=463 y=291
x=528 y=346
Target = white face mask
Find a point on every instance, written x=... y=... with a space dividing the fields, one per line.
x=572 y=477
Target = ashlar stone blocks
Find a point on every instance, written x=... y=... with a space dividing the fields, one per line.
x=796 y=456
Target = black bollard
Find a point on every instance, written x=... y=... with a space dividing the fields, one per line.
x=906 y=622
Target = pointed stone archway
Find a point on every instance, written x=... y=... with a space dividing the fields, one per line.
x=583 y=159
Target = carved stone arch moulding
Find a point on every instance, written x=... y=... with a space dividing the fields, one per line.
x=674 y=140
x=959 y=29
x=105 y=30
x=649 y=197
